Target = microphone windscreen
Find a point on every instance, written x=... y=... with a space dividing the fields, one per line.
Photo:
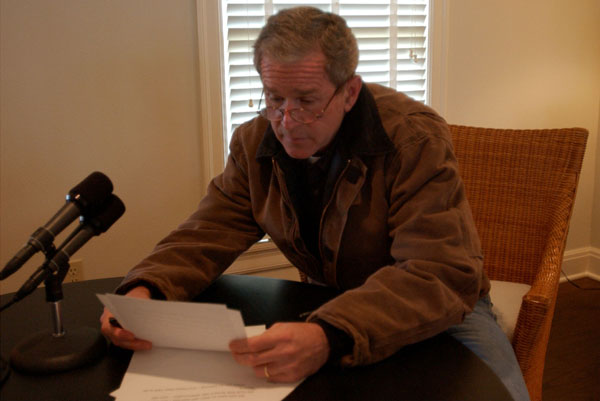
x=102 y=217
x=91 y=192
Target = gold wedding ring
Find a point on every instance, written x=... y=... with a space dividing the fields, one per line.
x=267 y=375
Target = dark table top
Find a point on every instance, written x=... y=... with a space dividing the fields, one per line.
x=439 y=368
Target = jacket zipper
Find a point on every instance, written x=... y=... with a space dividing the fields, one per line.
x=322 y=220
x=288 y=203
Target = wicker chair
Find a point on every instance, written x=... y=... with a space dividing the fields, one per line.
x=521 y=185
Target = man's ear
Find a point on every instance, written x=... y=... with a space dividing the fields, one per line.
x=353 y=86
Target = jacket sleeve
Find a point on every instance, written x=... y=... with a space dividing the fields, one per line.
x=437 y=275
x=201 y=248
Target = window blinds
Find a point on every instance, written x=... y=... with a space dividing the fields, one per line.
x=391 y=34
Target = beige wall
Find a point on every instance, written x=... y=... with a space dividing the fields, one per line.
x=112 y=85
x=530 y=64
x=98 y=85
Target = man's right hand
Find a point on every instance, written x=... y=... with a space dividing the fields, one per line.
x=121 y=337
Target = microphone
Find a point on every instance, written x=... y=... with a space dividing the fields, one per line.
x=99 y=222
x=102 y=219
x=88 y=194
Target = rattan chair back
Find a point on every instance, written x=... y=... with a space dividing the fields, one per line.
x=521 y=185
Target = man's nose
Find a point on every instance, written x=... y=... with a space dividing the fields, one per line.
x=287 y=121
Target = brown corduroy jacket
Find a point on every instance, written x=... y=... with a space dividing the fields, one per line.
x=396 y=234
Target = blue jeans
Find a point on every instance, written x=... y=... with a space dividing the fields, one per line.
x=481 y=334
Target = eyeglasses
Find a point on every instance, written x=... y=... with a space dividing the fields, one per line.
x=299 y=115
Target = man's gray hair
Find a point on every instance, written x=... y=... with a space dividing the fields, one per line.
x=293 y=33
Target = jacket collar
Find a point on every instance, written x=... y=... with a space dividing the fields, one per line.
x=361 y=132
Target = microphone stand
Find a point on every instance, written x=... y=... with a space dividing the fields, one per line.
x=58 y=350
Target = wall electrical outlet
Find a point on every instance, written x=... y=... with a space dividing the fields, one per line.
x=75 y=272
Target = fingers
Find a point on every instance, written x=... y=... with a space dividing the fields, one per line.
x=251 y=356
x=268 y=373
x=258 y=350
x=119 y=336
x=287 y=352
x=247 y=347
x=278 y=374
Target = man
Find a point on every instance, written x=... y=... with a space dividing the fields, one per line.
x=358 y=186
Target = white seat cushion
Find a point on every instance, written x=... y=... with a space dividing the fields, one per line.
x=506 y=298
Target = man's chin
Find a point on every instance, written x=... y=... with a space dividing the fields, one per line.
x=298 y=153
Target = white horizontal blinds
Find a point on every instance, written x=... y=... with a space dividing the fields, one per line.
x=243 y=21
x=392 y=42
x=411 y=48
x=391 y=35
x=371 y=24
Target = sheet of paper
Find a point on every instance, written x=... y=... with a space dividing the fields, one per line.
x=186 y=325
x=165 y=374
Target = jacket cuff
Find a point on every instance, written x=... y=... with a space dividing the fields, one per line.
x=155 y=293
x=340 y=343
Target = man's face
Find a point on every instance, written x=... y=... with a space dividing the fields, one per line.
x=303 y=84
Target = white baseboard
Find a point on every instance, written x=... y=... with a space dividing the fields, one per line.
x=581 y=262
x=259 y=259
x=594 y=267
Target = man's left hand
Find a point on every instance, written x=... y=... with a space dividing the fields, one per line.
x=286 y=352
